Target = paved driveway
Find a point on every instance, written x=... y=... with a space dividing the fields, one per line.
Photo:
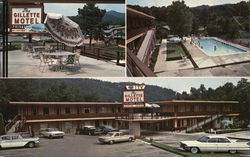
x=87 y=146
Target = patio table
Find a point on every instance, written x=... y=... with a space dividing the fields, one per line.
x=59 y=55
x=38 y=49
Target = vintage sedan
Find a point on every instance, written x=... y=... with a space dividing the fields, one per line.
x=113 y=137
x=16 y=140
x=51 y=133
x=214 y=144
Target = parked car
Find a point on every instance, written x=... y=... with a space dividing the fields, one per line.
x=113 y=137
x=51 y=133
x=106 y=128
x=16 y=140
x=214 y=144
x=89 y=130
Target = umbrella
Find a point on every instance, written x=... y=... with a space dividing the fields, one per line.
x=64 y=30
x=225 y=122
x=36 y=28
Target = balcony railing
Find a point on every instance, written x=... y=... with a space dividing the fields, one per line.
x=166 y=115
x=69 y=116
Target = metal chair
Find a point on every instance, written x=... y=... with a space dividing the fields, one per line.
x=44 y=62
x=70 y=61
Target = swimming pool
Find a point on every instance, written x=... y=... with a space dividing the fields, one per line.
x=246 y=134
x=213 y=47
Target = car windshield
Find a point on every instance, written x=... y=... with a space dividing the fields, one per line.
x=203 y=139
x=53 y=129
x=109 y=134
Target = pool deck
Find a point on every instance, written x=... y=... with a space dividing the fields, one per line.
x=168 y=68
x=239 y=135
x=21 y=65
x=204 y=61
x=212 y=66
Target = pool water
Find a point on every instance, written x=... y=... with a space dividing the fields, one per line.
x=214 y=47
x=247 y=134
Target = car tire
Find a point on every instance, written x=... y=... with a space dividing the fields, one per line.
x=111 y=142
x=31 y=144
x=62 y=136
x=130 y=139
x=232 y=151
x=77 y=132
x=50 y=137
x=90 y=134
x=194 y=150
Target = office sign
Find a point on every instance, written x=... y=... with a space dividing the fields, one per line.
x=134 y=96
x=22 y=16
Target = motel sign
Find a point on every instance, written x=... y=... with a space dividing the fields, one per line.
x=25 y=15
x=133 y=96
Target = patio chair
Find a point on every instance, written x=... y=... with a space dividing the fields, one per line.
x=70 y=61
x=44 y=62
x=77 y=58
x=30 y=51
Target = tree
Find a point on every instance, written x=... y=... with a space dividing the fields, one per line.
x=90 y=17
x=2 y=130
x=179 y=18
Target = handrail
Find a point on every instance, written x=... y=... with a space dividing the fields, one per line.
x=136 y=67
x=10 y=124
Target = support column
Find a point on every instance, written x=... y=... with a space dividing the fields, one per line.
x=135 y=128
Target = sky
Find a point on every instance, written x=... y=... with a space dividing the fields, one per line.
x=177 y=84
x=68 y=9
x=190 y=3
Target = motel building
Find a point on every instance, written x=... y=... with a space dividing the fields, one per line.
x=171 y=115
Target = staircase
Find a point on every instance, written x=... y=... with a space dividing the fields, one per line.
x=200 y=124
x=15 y=125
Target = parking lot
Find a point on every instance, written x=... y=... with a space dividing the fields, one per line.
x=84 y=145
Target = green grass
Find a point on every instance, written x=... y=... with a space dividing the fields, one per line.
x=175 y=51
x=188 y=154
x=244 y=35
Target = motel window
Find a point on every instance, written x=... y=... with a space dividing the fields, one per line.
x=192 y=108
x=165 y=109
x=183 y=108
x=196 y=108
x=34 y=111
x=45 y=111
x=67 y=110
x=113 y=109
x=104 y=109
x=86 y=110
x=58 y=111
x=119 y=109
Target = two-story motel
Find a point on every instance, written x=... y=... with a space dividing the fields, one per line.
x=160 y=115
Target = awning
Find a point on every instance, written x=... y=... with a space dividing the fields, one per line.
x=64 y=30
x=152 y=105
x=36 y=28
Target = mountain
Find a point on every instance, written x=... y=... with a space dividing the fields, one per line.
x=35 y=89
x=202 y=7
x=114 y=18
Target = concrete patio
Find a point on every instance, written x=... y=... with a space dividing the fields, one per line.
x=21 y=65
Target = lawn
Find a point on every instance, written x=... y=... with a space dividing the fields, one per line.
x=244 y=35
x=175 y=51
x=188 y=154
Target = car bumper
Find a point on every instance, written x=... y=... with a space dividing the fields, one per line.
x=184 y=146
